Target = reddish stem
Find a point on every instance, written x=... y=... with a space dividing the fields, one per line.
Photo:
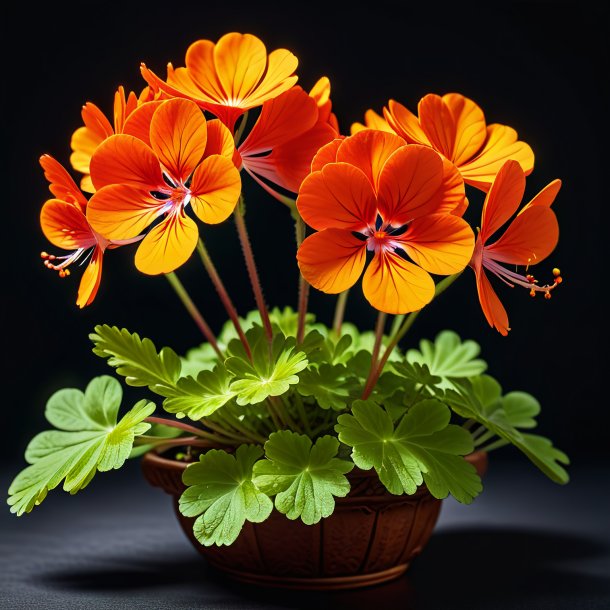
x=372 y=378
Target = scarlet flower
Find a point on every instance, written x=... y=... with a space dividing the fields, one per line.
x=373 y=192
x=455 y=127
x=98 y=128
x=229 y=77
x=288 y=133
x=64 y=224
x=529 y=239
x=188 y=162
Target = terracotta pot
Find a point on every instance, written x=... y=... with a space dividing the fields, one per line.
x=370 y=538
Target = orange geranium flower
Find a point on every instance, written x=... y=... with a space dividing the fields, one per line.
x=228 y=77
x=97 y=128
x=373 y=192
x=455 y=127
x=288 y=133
x=529 y=239
x=188 y=162
x=64 y=224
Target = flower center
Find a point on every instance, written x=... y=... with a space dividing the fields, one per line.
x=379 y=240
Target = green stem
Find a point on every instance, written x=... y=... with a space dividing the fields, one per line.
x=300 y=232
x=340 y=312
x=302 y=413
x=406 y=325
x=379 y=328
x=484 y=438
x=223 y=294
x=187 y=428
x=222 y=431
x=242 y=231
x=203 y=326
x=240 y=130
x=495 y=445
x=235 y=422
x=396 y=323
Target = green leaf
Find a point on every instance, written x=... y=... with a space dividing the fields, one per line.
x=137 y=359
x=197 y=398
x=200 y=358
x=418 y=373
x=89 y=440
x=221 y=494
x=448 y=357
x=271 y=372
x=328 y=384
x=304 y=479
x=466 y=401
x=521 y=409
x=423 y=448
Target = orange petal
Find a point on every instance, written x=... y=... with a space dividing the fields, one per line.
x=201 y=70
x=452 y=193
x=138 y=122
x=490 y=303
x=90 y=280
x=501 y=145
x=339 y=196
x=320 y=92
x=278 y=78
x=545 y=197
x=122 y=211
x=220 y=141
x=503 y=198
x=95 y=120
x=123 y=159
x=84 y=142
x=178 y=134
x=240 y=61
x=396 y=286
x=369 y=150
x=61 y=183
x=470 y=130
x=529 y=239
x=405 y=124
x=286 y=117
x=332 y=260
x=439 y=243
x=437 y=122
x=168 y=245
x=215 y=188
x=372 y=120
x=409 y=183
x=178 y=84
x=327 y=154
x=65 y=225
x=288 y=164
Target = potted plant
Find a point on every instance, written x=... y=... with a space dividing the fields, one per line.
x=298 y=453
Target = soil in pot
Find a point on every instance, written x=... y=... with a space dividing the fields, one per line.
x=370 y=538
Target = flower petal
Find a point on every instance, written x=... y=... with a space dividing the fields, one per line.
x=452 y=193
x=501 y=145
x=368 y=150
x=396 y=286
x=122 y=211
x=240 y=61
x=288 y=164
x=215 y=189
x=545 y=197
x=61 y=183
x=178 y=134
x=470 y=130
x=409 y=183
x=372 y=120
x=138 y=122
x=65 y=225
x=201 y=71
x=529 y=239
x=168 y=245
x=339 y=196
x=405 y=123
x=327 y=154
x=91 y=278
x=123 y=159
x=220 y=141
x=439 y=243
x=281 y=119
x=332 y=260
x=503 y=198
x=278 y=78
x=493 y=309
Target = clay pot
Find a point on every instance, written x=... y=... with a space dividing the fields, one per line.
x=371 y=537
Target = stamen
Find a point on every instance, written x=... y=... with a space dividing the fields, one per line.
x=66 y=261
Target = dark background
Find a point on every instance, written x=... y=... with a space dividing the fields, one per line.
x=540 y=67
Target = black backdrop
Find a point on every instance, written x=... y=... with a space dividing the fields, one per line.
x=539 y=67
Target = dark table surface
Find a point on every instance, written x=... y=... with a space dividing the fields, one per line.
x=525 y=543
